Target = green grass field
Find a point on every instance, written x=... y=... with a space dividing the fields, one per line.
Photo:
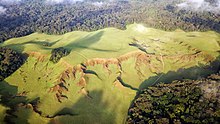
x=103 y=99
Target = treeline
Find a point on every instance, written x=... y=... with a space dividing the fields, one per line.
x=10 y=61
x=190 y=101
x=36 y=16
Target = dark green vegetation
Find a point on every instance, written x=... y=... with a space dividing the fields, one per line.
x=36 y=16
x=58 y=53
x=189 y=101
x=99 y=73
x=97 y=82
x=15 y=107
x=10 y=61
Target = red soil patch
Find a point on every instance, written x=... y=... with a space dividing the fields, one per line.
x=141 y=59
x=40 y=57
x=118 y=84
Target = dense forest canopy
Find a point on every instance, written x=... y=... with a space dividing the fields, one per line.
x=10 y=61
x=186 y=102
x=23 y=17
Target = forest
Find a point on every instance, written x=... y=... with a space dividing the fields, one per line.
x=31 y=16
x=137 y=74
x=185 y=102
x=10 y=61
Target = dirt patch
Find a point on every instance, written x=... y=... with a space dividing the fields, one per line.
x=65 y=64
x=39 y=56
x=118 y=84
x=155 y=63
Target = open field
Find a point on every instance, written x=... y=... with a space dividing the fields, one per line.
x=98 y=80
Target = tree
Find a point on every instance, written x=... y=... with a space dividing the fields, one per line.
x=58 y=53
x=10 y=61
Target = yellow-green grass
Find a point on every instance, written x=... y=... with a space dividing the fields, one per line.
x=26 y=115
x=111 y=42
x=2 y=113
x=109 y=103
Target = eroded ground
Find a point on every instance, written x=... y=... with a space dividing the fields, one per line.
x=98 y=80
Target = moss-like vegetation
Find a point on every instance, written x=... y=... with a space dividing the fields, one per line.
x=58 y=53
x=179 y=102
x=10 y=61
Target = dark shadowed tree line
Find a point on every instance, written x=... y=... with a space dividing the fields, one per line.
x=36 y=16
x=10 y=61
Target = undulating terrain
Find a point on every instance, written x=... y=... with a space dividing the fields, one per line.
x=109 y=61
x=100 y=76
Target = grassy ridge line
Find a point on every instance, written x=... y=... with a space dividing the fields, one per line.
x=109 y=102
x=111 y=42
x=111 y=39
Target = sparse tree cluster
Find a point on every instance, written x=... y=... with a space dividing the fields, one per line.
x=58 y=53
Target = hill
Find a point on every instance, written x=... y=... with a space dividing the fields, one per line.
x=97 y=81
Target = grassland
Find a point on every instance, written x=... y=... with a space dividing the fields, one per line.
x=98 y=80
x=3 y=112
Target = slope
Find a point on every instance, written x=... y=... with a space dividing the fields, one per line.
x=97 y=81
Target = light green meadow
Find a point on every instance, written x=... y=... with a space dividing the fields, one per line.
x=109 y=103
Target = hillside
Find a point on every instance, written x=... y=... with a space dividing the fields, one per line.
x=97 y=81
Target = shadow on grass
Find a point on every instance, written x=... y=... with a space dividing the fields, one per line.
x=86 y=43
x=87 y=111
x=10 y=99
x=19 y=108
x=42 y=44
x=9 y=96
x=193 y=73
x=80 y=44
x=127 y=85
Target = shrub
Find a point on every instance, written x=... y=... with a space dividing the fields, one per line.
x=58 y=53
